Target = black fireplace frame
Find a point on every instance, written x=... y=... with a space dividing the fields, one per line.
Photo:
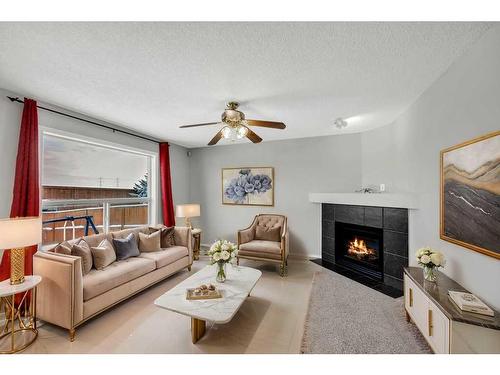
x=394 y=224
x=370 y=270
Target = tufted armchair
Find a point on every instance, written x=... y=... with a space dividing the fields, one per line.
x=265 y=239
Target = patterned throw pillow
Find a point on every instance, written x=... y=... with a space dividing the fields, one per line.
x=82 y=250
x=167 y=235
x=103 y=254
x=150 y=242
x=126 y=247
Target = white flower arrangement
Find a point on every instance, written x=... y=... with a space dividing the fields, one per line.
x=222 y=251
x=428 y=257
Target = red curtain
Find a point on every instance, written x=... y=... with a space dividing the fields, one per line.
x=26 y=194
x=166 y=186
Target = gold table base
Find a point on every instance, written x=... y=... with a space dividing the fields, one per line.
x=23 y=315
x=198 y=328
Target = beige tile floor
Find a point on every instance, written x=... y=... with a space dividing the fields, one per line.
x=270 y=321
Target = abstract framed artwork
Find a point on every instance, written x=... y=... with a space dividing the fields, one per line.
x=248 y=186
x=470 y=194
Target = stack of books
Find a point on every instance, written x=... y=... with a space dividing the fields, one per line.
x=470 y=303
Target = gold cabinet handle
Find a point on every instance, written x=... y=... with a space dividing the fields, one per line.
x=429 y=322
x=411 y=297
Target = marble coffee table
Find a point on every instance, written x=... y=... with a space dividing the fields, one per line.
x=237 y=287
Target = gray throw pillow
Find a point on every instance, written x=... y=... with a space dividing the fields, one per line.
x=126 y=247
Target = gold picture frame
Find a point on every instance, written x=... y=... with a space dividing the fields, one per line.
x=469 y=183
x=263 y=198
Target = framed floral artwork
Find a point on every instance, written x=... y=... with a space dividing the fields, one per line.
x=248 y=186
x=470 y=194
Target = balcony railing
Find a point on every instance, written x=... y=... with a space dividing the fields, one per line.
x=108 y=215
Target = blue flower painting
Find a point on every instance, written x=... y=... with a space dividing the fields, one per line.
x=248 y=186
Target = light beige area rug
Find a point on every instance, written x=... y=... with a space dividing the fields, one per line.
x=346 y=317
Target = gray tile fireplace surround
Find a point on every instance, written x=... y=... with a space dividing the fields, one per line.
x=393 y=222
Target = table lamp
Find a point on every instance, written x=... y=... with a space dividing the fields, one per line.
x=187 y=211
x=16 y=234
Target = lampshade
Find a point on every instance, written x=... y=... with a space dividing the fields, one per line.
x=20 y=232
x=187 y=210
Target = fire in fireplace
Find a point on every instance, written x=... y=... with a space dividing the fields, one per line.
x=359 y=248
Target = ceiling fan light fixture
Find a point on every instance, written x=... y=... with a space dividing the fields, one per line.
x=241 y=132
x=227 y=132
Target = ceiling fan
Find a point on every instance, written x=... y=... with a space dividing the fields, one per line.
x=236 y=126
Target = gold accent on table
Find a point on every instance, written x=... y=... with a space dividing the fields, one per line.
x=441 y=200
x=17 y=266
x=212 y=294
x=429 y=322
x=198 y=328
x=25 y=316
x=411 y=297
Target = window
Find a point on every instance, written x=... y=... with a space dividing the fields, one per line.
x=90 y=187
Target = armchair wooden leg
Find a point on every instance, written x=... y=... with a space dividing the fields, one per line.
x=189 y=268
x=283 y=269
x=71 y=334
x=237 y=261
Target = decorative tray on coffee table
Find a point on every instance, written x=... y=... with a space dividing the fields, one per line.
x=203 y=292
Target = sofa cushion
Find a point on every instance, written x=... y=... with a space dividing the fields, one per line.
x=267 y=234
x=126 y=247
x=103 y=255
x=63 y=248
x=165 y=257
x=261 y=248
x=82 y=250
x=149 y=242
x=97 y=282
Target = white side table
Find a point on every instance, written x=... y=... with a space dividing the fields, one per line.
x=20 y=318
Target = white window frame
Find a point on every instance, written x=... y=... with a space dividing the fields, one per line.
x=107 y=203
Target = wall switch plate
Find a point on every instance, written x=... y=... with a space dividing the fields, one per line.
x=382 y=187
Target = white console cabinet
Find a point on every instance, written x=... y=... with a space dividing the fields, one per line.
x=443 y=325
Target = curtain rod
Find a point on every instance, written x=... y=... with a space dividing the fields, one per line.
x=12 y=99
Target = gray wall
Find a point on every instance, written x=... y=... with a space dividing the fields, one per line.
x=10 y=119
x=302 y=166
x=462 y=104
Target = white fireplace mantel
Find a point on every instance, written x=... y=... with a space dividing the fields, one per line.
x=397 y=200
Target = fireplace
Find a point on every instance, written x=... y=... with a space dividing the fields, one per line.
x=359 y=248
x=367 y=244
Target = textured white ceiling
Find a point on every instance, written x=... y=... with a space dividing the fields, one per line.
x=153 y=77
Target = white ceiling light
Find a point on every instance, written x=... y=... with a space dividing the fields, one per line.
x=340 y=123
x=235 y=132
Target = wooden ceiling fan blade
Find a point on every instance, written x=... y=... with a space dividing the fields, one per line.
x=266 y=124
x=195 y=125
x=216 y=138
x=252 y=136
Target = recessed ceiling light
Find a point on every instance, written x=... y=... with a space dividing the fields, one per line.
x=340 y=123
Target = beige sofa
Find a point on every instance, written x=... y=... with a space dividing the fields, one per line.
x=250 y=246
x=68 y=299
